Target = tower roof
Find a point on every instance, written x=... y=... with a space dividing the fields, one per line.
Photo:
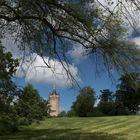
x=54 y=92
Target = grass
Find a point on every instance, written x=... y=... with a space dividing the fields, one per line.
x=96 y=128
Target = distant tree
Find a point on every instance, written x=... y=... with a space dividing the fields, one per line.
x=62 y=114
x=83 y=106
x=106 y=96
x=71 y=113
x=128 y=92
x=30 y=105
x=119 y=109
x=106 y=102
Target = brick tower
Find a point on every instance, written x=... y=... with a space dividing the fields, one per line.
x=54 y=103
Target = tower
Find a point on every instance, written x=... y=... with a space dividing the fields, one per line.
x=54 y=103
x=54 y=98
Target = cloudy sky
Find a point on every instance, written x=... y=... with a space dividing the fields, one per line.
x=43 y=78
x=33 y=70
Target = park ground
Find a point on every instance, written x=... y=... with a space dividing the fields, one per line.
x=95 y=128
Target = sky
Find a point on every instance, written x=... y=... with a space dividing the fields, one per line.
x=68 y=94
x=43 y=79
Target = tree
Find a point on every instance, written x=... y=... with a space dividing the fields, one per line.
x=109 y=105
x=106 y=96
x=71 y=113
x=106 y=102
x=51 y=27
x=62 y=114
x=83 y=106
x=128 y=91
x=8 y=89
x=30 y=106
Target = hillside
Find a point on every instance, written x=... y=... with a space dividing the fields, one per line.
x=97 y=128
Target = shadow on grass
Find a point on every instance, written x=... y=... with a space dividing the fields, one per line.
x=58 y=134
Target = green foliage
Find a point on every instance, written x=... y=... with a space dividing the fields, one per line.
x=109 y=106
x=62 y=114
x=30 y=106
x=106 y=108
x=17 y=107
x=8 y=92
x=7 y=65
x=83 y=106
x=106 y=102
x=125 y=101
x=71 y=113
x=106 y=96
x=8 y=121
x=7 y=126
x=99 y=30
x=97 y=112
x=119 y=109
x=8 y=89
x=128 y=92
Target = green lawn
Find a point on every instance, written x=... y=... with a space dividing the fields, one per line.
x=96 y=128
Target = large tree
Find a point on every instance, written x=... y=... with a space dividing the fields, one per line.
x=30 y=106
x=51 y=27
x=83 y=106
x=128 y=92
x=8 y=89
x=106 y=96
x=109 y=105
x=106 y=102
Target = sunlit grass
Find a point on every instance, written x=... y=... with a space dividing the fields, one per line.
x=96 y=128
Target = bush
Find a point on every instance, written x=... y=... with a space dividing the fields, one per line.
x=24 y=121
x=62 y=114
x=97 y=113
x=71 y=113
x=7 y=126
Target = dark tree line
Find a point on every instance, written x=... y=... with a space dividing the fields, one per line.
x=125 y=101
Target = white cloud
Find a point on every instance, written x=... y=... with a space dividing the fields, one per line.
x=96 y=102
x=39 y=72
x=14 y=47
x=11 y=46
x=137 y=41
x=34 y=69
x=107 y=4
x=78 y=53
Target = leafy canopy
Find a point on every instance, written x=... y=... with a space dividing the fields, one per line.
x=83 y=106
x=51 y=27
x=129 y=91
x=8 y=89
